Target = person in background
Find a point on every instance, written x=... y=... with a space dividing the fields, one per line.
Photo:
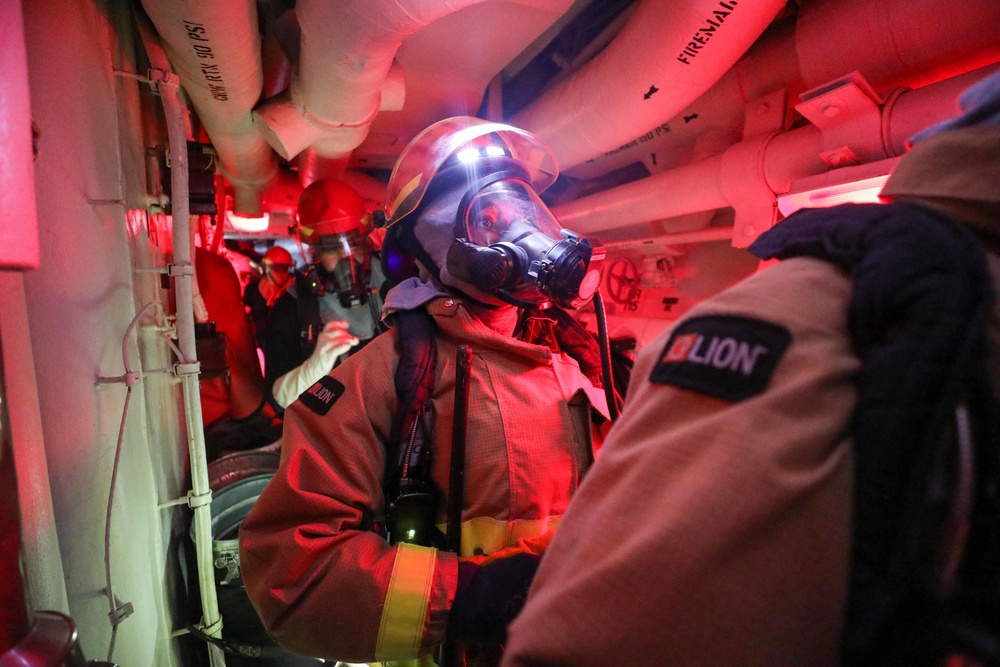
x=343 y=555
x=752 y=505
x=261 y=295
x=332 y=309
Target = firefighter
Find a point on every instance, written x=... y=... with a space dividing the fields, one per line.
x=261 y=295
x=343 y=553
x=759 y=500
x=333 y=308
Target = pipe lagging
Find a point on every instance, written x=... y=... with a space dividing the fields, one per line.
x=666 y=56
x=184 y=297
x=214 y=48
x=787 y=157
x=345 y=72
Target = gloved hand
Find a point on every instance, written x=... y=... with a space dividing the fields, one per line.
x=489 y=597
x=333 y=341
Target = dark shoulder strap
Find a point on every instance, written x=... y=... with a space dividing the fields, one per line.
x=307 y=305
x=414 y=381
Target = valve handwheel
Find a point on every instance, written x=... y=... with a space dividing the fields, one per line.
x=623 y=281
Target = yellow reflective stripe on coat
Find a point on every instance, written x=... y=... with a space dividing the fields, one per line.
x=406 y=601
x=486 y=535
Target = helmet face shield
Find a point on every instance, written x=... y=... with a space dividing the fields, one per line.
x=340 y=245
x=451 y=140
x=340 y=265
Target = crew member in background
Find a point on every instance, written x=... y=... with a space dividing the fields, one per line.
x=758 y=501
x=334 y=303
x=342 y=554
x=261 y=295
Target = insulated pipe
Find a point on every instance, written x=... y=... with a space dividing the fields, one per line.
x=764 y=164
x=345 y=58
x=42 y=565
x=666 y=56
x=676 y=238
x=18 y=217
x=201 y=493
x=214 y=47
x=369 y=188
x=892 y=43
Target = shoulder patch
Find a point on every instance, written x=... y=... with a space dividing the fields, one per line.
x=321 y=396
x=724 y=356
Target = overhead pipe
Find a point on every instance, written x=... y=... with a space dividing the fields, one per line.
x=666 y=56
x=200 y=496
x=18 y=216
x=345 y=72
x=214 y=47
x=345 y=76
x=704 y=235
x=908 y=43
x=751 y=174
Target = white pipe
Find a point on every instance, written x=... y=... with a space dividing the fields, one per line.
x=677 y=238
x=18 y=217
x=765 y=166
x=44 y=578
x=821 y=44
x=214 y=47
x=369 y=188
x=184 y=296
x=345 y=56
x=666 y=56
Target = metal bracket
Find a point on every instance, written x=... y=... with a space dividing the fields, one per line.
x=196 y=500
x=228 y=562
x=180 y=269
x=128 y=378
x=158 y=77
x=213 y=630
x=743 y=182
x=191 y=368
x=122 y=611
x=848 y=112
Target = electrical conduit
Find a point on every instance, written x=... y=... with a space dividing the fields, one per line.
x=200 y=495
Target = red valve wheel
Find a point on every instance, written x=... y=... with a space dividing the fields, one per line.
x=623 y=281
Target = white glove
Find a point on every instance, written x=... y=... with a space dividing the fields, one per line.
x=333 y=341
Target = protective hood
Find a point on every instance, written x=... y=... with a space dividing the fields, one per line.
x=434 y=231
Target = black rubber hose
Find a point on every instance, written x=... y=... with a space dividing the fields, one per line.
x=605 y=345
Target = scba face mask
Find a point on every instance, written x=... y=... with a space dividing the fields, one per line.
x=508 y=243
x=342 y=268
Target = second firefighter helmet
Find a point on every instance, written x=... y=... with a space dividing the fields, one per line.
x=333 y=223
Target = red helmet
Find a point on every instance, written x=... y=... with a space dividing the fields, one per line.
x=278 y=257
x=329 y=207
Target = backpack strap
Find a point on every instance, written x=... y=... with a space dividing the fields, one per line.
x=310 y=323
x=411 y=499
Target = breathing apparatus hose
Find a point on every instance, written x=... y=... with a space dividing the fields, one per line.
x=605 y=345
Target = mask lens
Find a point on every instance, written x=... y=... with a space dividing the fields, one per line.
x=506 y=211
